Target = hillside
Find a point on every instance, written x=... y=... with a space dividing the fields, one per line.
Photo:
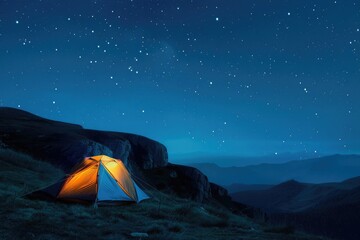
x=318 y=170
x=330 y=209
x=162 y=217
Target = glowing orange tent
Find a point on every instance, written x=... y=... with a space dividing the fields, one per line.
x=98 y=179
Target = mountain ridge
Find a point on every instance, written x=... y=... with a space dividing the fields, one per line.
x=333 y=168
x=294 y=196
x=330 y=209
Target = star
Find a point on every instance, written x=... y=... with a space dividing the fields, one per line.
x=190 y=74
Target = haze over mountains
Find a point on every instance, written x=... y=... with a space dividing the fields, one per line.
x=333 y=168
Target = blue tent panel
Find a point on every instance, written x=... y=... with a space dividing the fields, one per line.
x=108 y=189
x=140 y=193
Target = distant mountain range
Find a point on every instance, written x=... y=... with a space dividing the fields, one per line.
x=293 y=196
x=332 y=209
x=237 y=187
x=241 y=161
x=320 y=195
x=333 y=168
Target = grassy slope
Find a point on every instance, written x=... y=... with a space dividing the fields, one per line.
x=175 y=218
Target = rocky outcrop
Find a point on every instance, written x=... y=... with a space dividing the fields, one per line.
x=196 y=182
x=92 y=148
x=142 y=151
x=156 y=154
x=219 y=192
x=184 y=181
x=65 y=144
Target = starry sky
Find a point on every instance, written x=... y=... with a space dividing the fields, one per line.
x=230 y=77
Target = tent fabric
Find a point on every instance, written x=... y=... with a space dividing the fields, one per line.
x=98 y=179
x=81 y=185
x=140 y=193
x=51 y=191
x=108 y=189
x=118 y=171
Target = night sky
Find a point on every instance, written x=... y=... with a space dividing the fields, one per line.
x=230 y=77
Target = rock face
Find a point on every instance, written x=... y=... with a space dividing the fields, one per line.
x=219 y=192
x=195 y=182
x=145 y=152
x=65 y=144
x=184 y=181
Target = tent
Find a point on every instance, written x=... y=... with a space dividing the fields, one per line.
x=97 y=179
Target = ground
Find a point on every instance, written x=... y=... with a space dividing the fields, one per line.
x=162 y=217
